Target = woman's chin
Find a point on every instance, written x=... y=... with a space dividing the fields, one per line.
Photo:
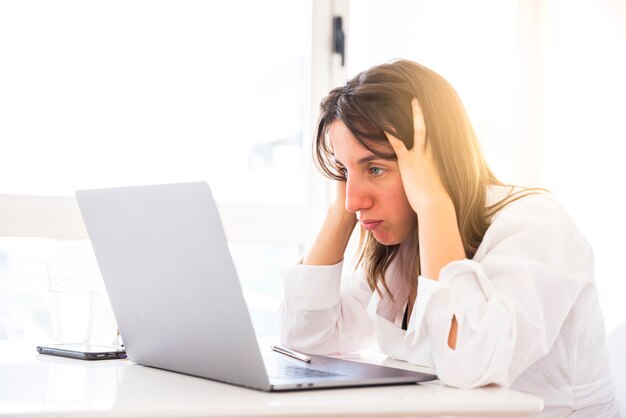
x=385 y=239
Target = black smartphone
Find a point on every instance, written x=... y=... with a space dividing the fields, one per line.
x=83 y=351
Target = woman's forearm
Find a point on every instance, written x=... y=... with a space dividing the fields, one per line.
x=330 y=245
x=439 y=236
x=440 y=243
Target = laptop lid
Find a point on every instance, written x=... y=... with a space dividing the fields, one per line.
x=171 y=281
x=175 y=293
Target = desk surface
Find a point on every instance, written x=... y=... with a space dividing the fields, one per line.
x=37 y=385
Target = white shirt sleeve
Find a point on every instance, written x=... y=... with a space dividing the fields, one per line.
x=510 y=301
x=320 y=316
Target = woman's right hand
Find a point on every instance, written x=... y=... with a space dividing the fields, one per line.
x=331 y=242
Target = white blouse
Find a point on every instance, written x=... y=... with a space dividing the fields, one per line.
x=526 y=306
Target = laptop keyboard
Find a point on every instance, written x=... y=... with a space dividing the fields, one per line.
x=282 y=370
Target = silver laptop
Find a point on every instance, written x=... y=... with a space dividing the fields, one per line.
x=176 y=296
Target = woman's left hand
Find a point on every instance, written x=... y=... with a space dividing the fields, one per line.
x=418 y=169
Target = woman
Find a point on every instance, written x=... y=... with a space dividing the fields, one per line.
x=487 y=283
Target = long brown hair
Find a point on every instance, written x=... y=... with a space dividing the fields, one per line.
x=378 y=100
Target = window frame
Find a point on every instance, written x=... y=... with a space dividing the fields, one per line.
x=59 y=216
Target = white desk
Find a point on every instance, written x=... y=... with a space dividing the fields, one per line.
x=34 y=385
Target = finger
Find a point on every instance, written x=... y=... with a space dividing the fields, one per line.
x=397 y=145
x=419 y=127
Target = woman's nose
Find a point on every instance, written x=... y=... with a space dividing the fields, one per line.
x=358 y=197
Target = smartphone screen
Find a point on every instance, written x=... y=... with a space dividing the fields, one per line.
x=83 y=351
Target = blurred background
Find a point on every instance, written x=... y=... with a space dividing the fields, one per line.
x=119 y=93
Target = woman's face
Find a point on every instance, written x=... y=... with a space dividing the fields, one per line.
x=374 y=190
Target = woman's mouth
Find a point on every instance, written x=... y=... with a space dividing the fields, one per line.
x=369 y=225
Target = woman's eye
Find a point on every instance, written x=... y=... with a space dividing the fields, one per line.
x=377 y=171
